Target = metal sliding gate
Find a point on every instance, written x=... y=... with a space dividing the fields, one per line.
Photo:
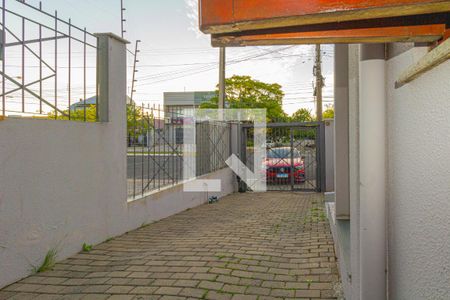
x=295 y=155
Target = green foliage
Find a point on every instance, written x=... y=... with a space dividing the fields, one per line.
x=244 y=92
x=302 y=115
x=138 y=122
x=77 y=115
x=329 y=112
x=87 y=247
x=48 y=263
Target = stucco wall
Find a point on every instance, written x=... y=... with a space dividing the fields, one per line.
x=419 y=181
x=63 y=184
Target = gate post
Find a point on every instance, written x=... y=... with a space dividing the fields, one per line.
x=322 y=158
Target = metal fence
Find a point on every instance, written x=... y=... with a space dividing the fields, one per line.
x=155 y=140
x=48 y=65
x=295 y=155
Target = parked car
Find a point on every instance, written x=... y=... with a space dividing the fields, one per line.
x=279 y=163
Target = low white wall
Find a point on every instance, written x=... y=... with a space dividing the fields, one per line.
x=63 y=184
x=419 y=181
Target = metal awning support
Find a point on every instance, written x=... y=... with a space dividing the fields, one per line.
x=418 y=33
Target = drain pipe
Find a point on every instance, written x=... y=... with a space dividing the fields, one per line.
x=373 y=171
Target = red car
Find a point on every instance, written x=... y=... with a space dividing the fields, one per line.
x=279 y=163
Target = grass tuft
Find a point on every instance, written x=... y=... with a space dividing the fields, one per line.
x=48 y=263
x=87 y=247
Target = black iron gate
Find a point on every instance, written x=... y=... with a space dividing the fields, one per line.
x=295 y=155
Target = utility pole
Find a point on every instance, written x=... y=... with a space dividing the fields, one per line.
x=222 y=64
x=319 y=84
x=122 y=20
x=136 y=51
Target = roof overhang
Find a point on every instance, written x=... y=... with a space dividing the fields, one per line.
x=277 y=22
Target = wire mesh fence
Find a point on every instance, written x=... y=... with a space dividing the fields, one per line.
x=48 y=65
x=155 y=143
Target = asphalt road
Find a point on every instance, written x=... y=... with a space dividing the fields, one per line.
x=143 y=166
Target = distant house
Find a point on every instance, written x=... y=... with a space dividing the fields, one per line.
x=80 y=105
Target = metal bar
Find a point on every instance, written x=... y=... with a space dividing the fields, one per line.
x=70 y=68
x=159 y=148
x=27 y=85
x=40 y=62
x=142 y=146
x=35 y=40
x=291 y=131
x=50 y=15
x=122 y=20
x=84 y=73
x=3 y=58
x=148 y=147
x=154 y=143
x=50 y=28
x=23 y=64
x=134 y=70
x=29 y=49
x=164 y=146
x=174 y=141
x=56 y=64
x=33 y=93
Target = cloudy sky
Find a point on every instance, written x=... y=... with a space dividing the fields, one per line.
x=175 y=56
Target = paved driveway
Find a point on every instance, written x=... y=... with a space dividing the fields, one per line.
x=247 y=246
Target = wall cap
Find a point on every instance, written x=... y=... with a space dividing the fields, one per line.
x=113 y=36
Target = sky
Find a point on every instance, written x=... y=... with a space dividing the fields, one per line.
x=175 y=56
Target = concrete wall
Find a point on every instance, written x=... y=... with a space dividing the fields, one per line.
x=419 y=181
x=63 y=184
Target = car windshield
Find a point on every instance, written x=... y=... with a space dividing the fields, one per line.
x=282 y=153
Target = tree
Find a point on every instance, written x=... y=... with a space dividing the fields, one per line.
x=302 y=115
x=77 y=115
x=245 y=92
x=329 y=112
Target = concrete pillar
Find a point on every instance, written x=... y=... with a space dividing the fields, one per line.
x=341 y=128
x=111 y=74
x=373 y=172
x=112 y=97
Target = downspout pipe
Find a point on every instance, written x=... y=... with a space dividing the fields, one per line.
x=373 y=171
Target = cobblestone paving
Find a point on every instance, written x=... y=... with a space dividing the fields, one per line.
x=247 y=246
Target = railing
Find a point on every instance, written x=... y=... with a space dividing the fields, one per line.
x=48 y=65
x=155 y=140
